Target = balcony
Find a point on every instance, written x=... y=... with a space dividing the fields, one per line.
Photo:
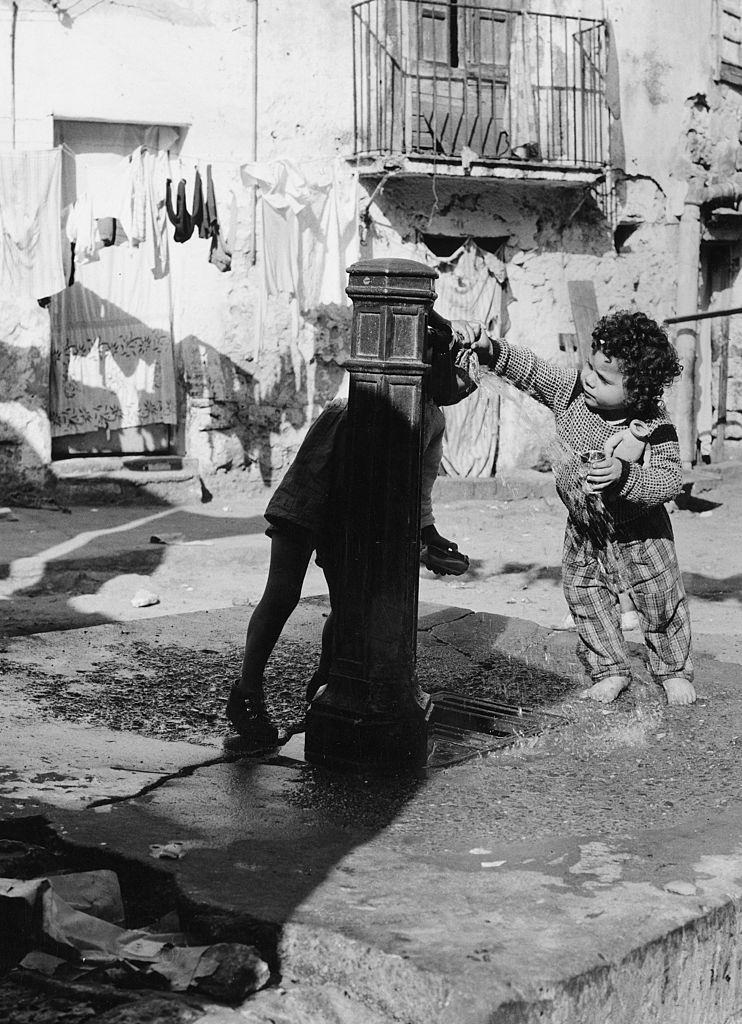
x=471 y=88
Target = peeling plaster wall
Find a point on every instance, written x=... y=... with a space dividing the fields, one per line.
x=553 y=237
x=25 y=442
x=665 y=55
x=247 y=401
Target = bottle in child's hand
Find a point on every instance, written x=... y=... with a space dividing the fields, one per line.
x=587 y=463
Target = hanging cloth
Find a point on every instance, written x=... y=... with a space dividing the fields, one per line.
x=181 y=218
x=220 y=254
x=82 y=230
x=112 y=353
x=31 y=223
x=198 y=215
x=469 y=287
x=112 y=363
x=330 y=237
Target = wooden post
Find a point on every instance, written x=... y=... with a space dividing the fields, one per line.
x=373 y=713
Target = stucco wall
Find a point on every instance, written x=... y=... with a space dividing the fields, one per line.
x=245 y=399
x=248 y=396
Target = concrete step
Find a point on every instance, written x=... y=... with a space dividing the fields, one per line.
x=127 y=479
x=507 y=486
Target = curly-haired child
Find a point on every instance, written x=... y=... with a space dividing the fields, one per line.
x=618 y=533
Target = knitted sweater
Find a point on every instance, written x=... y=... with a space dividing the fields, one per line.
x=641 y=487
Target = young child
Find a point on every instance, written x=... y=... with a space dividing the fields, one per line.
x=302 y=517
x=618 y=531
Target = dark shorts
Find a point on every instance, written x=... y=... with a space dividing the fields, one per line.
x=305 y=503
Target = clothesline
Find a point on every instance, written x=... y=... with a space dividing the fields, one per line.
x=235 y=162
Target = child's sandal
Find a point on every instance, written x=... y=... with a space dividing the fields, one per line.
x=443 y=561
x=250 y=719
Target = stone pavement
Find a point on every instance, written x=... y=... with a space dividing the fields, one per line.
x=591 y=873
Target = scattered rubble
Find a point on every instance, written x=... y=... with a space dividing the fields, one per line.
x=68 y=930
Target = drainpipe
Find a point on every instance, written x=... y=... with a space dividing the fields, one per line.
x=254 y=139
x=13 y=25
x=686 y=340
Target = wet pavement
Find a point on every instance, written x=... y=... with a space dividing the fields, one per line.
x=425 y=897
x=592 y=872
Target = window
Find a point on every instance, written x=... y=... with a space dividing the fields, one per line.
x=487 y=38
x=439 y=34
x=730 y=41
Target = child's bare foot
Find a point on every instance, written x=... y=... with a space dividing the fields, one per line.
x=605 y=690
x=679 y=691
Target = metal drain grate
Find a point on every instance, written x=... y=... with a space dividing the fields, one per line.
x=462 y=727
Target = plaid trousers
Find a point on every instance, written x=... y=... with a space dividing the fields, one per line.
x=642 y=560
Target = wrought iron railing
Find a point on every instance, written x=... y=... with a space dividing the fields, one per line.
x=438 y=77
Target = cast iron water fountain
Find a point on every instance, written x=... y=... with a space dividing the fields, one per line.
x=373 y=713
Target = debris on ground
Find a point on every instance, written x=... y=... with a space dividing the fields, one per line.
x=681 y=888
x=144 y=598
x=47 y=935
x=167 y=851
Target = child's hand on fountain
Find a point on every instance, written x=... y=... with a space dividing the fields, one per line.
x=468 y=334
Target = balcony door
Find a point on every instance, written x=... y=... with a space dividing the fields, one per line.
x=459 y=78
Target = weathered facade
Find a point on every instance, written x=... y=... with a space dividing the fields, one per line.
x=550 y=159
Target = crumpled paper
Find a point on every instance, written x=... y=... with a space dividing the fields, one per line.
x=96 y=942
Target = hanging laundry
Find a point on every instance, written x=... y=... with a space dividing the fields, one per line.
x=133 y=211
x=309 y=229
x=157 y=143
x=30 y=223
x=197 y=215
x=220 y=255
x=181 y=219
x=82 y=230
x=330 y=240
x=107 y=230
x=112 y=363
x=470 y=286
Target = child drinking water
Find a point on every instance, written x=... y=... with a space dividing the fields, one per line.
x=303 y=517
x=618 y=533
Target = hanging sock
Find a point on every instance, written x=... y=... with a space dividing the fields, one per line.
x=198 y=217
x=211 y=223
x=181 y=219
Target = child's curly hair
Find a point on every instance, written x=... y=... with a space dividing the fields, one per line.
x=643 y=351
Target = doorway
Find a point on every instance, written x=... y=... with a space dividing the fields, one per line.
x=112 y=379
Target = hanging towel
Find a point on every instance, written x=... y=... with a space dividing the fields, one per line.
x=82 y=229
x=30 y=223
x=220 y=254
x=158 y=142
x=470 y=287
x=181 y=219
